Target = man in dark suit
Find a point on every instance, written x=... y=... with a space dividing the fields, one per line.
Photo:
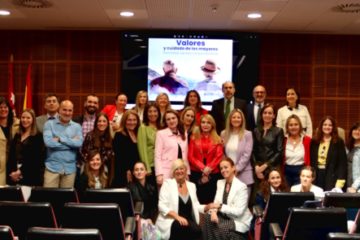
x=223 y=106
x=51 y=106
x=253 y=108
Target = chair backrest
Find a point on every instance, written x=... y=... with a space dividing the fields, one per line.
x=11 y=193
x=120 y=196
x=22 y=215
x=314 y=224
x=6 y=233
x=56 y=196
x=104 y=216
x=40 y=233
x=342 y=236
x=345 y=200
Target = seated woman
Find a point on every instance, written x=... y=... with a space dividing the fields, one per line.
x=94 y=175
x=307 y=176
x=273 y=182
x=143 y=191
x=178 y=206
x=229 y=216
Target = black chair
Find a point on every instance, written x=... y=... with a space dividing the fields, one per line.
x=104 y=216
x=311 y=224
x=40 y=233
x=22 y=215
x=342 y=236
x=56 y=196
x=6 y=233
x=277 y=210
x=11 y=193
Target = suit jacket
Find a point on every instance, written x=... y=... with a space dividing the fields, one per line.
x=250 y=119
x=237 y=203
x=40 y=122
x=166 y=151
x=217 y=111
x=336 y=162
x=4 y=150
x=169 y=201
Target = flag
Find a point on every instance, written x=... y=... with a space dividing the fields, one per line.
x=28 y=89
x=11 y=95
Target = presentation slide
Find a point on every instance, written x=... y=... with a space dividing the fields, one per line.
x=177 y=65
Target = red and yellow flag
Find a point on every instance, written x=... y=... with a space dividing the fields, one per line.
x=28 y=89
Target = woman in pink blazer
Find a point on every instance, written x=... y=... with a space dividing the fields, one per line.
x=170 y=144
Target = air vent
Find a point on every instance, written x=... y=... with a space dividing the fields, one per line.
x=348 y=8
x=33 y=3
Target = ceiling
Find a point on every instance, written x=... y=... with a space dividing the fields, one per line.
x=285 y=16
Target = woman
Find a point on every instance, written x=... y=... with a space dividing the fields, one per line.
x=8 y=127
x=100 y=139
x=140 y=103
x=297 y=149
x=193 y=100
x=146 y=139
x=142 y=191
x=170 y=144
x=268 y=143
x=205 y=153
x=125 y=148
x=328 y=155
x=187 y=119
x=238 y=144
x=178 y=206
x=229 y=216
x=354 y=153
x=163 y=102
x=27 y=153
x=307 y=176
x=293 y=106
x=274 y=182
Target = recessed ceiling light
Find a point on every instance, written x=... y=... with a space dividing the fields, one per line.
x=4 y=13
x=126 y=14
x=254 y=15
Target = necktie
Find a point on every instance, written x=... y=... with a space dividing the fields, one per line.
x=227 y=109
x=258 y=116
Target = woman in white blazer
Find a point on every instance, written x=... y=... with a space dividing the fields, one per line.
x=229 y=216
x=178 y=206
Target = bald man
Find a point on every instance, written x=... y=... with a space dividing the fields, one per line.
x=63 y=138
x=254 y=108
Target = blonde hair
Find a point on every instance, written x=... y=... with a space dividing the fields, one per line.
x=137 y=100
x=178 y=163
x=33 y=129
x=182 y=115
x=168 y=106
x=229 y=128
x=213 y=134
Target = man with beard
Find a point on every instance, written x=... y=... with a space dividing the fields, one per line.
x=87 y=120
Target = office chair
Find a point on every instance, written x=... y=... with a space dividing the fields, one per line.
x=41 y=233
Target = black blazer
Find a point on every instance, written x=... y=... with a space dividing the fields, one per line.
x=217 y=111
x=336 y=162
x=250 y=120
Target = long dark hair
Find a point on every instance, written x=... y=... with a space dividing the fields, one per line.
x=265 y=185
x=102 y=139
x=146 y=117
x=187 y=103
x=267 y=105
x=180 y=126
x=319 y=133
x=10 y=117
x=351 y=140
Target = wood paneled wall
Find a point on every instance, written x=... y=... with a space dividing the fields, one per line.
x=325 y=69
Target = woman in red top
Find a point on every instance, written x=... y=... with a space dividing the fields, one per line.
x=205 y=153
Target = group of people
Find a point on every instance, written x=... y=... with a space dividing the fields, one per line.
x=181 y=163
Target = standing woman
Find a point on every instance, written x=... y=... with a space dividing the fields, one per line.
x=297 y=150
x=140 y=103
x=238 y=144
x=27 y=153
x=100 y=139
x=163 y=102
x=8 y=127
x=293 y=106
x=125 y=148
x=205 y=153
x=328 y=156
x=192 y=99
x=228 y=216
x=354 y=153
x=146 y=139
x=170 y=144
x=187 y=119
x=268 y=143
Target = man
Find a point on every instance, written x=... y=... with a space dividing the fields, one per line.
x=63 y=138
x=87 y=120
x=254 y=108
x=222 y=107
x=209 y=84
x=115 y=112
x=51 y=106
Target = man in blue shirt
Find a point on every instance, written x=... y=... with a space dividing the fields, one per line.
x=63 y=138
